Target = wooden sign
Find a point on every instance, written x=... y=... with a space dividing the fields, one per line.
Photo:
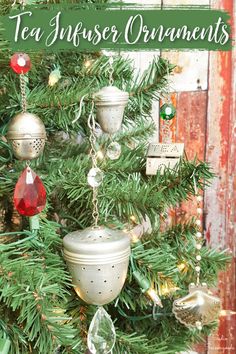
x=161 y=156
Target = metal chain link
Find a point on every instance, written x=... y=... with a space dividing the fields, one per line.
x=199 y=233
x=23 y=92
x=166 y=132
x=92 y=136
x=111 y=71
x=93 y=155
x=166 y=96
x=95 y=213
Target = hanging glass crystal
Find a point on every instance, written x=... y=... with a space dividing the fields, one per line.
x=113 y=150
x=29 y=194
x=101 y=334
x=95 y=177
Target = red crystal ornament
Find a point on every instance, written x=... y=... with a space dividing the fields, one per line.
x=20 y=63
x=29 y=194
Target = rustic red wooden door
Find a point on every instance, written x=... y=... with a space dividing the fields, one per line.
x=220 y=200
x=204 y=91
x=206 y=122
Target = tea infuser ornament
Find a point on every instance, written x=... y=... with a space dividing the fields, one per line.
x=27 y=135
x=98 y=259
x=110 y=102
x=199 y=307
x=167 y=153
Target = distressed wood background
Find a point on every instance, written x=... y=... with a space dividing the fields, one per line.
x=204 y=91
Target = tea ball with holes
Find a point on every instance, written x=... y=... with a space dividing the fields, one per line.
x=27 y=135
x=98 y=259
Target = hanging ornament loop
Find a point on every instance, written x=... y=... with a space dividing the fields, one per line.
x=94 y=170
x=167 y=113
x=92 y=137
x=166 y=132
x=199 y=231
x=111 y=71
x=168 y=100
x=95 y=213
x=23 y=93
x=80 y=109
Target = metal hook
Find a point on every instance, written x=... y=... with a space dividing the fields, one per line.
x=80 y=109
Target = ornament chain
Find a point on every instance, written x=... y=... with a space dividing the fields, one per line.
x=23 y=93
x=93 y=155
x=167 y=98
x=166 y=132
x=198 y=238
x=199 y=233
x=111 y=71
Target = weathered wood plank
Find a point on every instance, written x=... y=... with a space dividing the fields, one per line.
x=191 y=130
x=191 y=66
x=191 y=122
x=220 y=201
x=191 y=70
x=191 y=75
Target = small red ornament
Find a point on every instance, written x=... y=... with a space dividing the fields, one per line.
x=29 y=194
x=20 y=63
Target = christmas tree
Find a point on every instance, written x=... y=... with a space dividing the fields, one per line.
x=40 y=311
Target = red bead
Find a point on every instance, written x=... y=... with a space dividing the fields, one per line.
x=20 y=63
x=29 y=194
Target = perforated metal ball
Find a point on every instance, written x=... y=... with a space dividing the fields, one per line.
x=97 y=259
x=27 y=135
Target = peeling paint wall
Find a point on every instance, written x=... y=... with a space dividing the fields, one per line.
x=204 y=91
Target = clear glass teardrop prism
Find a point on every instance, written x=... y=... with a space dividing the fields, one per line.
x=95 y=177
x=101 y=334
x=114 y=150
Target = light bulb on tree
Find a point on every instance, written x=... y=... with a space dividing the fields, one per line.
x=133 y=219
x=167 y=288
x=182 y=267
x=154 y=297
x=134 y=238
x=147 y=288
x=87 y=63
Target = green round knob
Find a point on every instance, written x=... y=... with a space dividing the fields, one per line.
x=167 y=111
